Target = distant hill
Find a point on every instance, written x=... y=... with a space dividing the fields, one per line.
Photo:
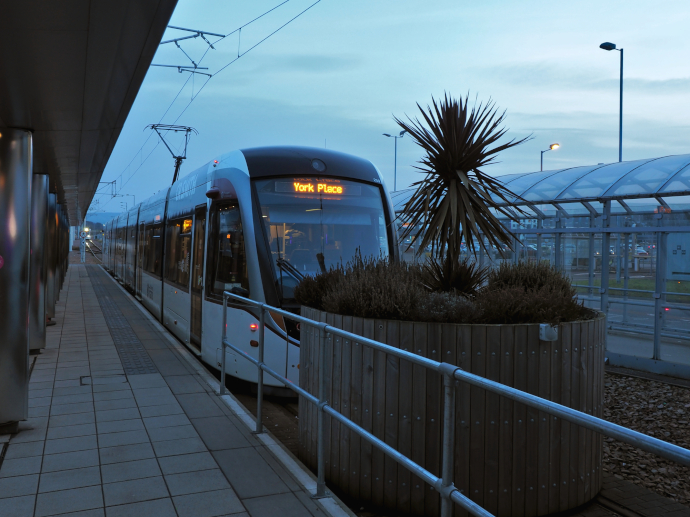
x=101 y=217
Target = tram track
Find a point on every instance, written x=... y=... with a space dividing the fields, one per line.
x=90 y=245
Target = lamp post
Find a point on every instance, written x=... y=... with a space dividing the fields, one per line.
x=551 y=148
x=612 y=46
x=395 y=162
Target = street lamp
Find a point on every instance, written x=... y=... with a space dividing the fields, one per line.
x=551 y=148
x=395 y=162
x=612 y=46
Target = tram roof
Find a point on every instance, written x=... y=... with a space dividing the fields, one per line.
x=649 y=178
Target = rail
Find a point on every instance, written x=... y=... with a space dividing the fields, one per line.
x=450 y=373
x=89 y=246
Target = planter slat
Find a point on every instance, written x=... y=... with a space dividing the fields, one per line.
x=532 y=427
x=505 y=439
x=434 y=395
x=367 y=408
x=378 y=415
x=493 y=418
x=462 y=410
x=565 y=331
x=335 y=399
x=406 y=336
x=419 y=418
x=575 y=431
x=346 y=407
x=544 y=353
x=477 y=404
x=591 y=435
x=356 y=413
x=582 y=402
x=390 y=414
x=555 y=425
x=511 y=459
x=521 y=354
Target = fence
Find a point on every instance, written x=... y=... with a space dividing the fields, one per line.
x=450 y=373
x=628 y=257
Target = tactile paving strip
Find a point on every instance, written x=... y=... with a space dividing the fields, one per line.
x=134 y=357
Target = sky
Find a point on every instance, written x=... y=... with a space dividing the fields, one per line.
x=337 y=75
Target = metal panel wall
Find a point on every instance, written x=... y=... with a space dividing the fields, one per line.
x=51 y=235
x=37 y=298
x=15 y=214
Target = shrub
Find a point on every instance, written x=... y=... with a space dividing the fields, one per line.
x=379 y=288
x=529 y=276
x=372 y=288
x=311 y=290
x=514 y=305
x=452 y=275
x=446 y=308
x=529 y=292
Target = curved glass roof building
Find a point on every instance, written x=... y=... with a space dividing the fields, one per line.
x=656 y=178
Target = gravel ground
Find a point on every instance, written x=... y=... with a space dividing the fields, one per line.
x=658 y=410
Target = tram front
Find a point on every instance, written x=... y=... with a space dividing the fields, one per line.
x=319 y=212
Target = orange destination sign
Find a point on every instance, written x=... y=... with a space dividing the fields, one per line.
x=319 y=188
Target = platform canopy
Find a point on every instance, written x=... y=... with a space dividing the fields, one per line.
x=70 y=71
x=655 y=179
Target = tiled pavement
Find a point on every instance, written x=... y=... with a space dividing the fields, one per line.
x=102 y=443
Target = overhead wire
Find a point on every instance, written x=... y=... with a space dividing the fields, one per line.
x=244 y=54
x=194 y=96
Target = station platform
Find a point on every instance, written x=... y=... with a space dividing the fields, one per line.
x=124 y=421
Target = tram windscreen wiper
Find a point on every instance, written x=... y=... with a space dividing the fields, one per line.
x=284 y=265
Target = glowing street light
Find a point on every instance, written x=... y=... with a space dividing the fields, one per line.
x=551 y=148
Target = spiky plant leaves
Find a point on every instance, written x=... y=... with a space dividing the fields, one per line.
x=450 y=275
x=456 y=201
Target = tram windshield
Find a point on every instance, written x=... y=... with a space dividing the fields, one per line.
x=313 y=224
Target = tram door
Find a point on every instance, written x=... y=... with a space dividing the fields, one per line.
x=197 y=280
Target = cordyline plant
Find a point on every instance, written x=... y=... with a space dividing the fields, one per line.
x=454 y=201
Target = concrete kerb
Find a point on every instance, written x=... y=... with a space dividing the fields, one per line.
x=331 y=505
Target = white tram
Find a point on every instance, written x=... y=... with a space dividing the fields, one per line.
x=254 y=222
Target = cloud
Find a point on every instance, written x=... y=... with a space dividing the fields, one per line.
x=546 y=75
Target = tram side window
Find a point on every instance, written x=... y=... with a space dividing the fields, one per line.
x=153 y=254
x=178 y=251
x=227 y=259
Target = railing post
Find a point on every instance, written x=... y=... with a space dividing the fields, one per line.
x=222 y=346
x=260 y=389
x=320 y=444
x=448 y=456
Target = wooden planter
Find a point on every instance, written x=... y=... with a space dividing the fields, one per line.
x=511 y=459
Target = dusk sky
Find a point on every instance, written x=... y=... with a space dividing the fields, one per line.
x=338 y=74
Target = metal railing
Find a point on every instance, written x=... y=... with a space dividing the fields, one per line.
x=450 y=373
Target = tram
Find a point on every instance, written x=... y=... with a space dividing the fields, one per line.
x=252 y=222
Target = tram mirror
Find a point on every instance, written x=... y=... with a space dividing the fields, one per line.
x=213 y=193
x=240 y=291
